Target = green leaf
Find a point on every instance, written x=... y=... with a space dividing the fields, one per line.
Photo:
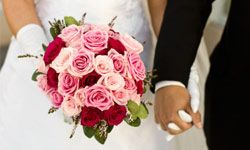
x=133 y=107
x=35 y=75
x=101 y=137
x=44 y=47
x=110 y=128
x=89 y=131
x=133 y=122
x=53 y=32
x=143 y=112
x=70 y=20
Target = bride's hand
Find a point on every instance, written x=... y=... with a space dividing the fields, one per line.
x=168 y=101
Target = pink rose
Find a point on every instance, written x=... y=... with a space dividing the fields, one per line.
x=69 y=107
x=100 y=27
x=80 y=97
x=119 y=62
x=42 y=83
x=72 y=36
x=131 y=44
x=61 y=63
x=103 y=64
x=99 y=97
x=56 y=98
x=67 y=84
x=121 y=97
x=130 y=85
x=42 y=67
x=136 y=98
x=136 y=66
x=82 y=63
x=95 y=40
x=112 y=81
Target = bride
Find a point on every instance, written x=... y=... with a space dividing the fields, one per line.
x=24 y=122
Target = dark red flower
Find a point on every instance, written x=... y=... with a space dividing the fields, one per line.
x=53 y=50
x=90 y=116
x=89 y=79
x=52 y=78
x=117 y=45
x=115 y=114
x=103 y=52
x=140 y=88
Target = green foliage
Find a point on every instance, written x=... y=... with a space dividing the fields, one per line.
x=89 y=131
x=136 y=110
x=70 y=20
x=132 y=122
x=35 y=75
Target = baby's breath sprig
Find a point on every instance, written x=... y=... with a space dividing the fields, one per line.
x=27 y=56
x=83 y=19
x=111 y=24
x=52 y=110
x=76 y=121
x=56 y=27
x=149 y=76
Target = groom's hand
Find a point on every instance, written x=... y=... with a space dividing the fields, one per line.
x=168 y=101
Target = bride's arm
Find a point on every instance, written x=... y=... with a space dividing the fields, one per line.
x=24 y=24
x=157 y=8
x=20 y=13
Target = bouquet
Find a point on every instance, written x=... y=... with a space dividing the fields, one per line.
x=95 y=75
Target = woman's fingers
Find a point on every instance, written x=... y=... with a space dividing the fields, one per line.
x=196 y=117
x=185 y=116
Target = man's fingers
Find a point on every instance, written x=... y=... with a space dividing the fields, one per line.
x=163 y=125
x=196 y=117
x=156 y=119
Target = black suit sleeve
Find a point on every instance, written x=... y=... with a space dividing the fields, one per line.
x=180 y=35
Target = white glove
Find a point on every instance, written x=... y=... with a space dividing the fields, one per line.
x=30 y=38
x=193 y=89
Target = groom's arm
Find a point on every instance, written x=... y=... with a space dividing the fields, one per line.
x=181 y=31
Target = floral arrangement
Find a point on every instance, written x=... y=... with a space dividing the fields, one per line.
x=95 y=75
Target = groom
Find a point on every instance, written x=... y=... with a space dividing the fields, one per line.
x=227 y=87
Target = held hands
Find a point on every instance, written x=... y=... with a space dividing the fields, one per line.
x=171 y=105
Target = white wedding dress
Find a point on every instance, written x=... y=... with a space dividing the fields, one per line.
x=24 y=122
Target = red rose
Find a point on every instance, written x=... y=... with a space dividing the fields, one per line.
x=115 y=114
x=117 y=45
x=53 y=50
x=90 y=116
x=140 y=89
x=89 y=79
x=103 y=52
x=52 y=78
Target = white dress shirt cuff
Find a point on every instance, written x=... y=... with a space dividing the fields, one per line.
x=162 y=84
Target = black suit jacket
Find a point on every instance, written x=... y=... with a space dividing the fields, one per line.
x=227 y=87
x=180 y=35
